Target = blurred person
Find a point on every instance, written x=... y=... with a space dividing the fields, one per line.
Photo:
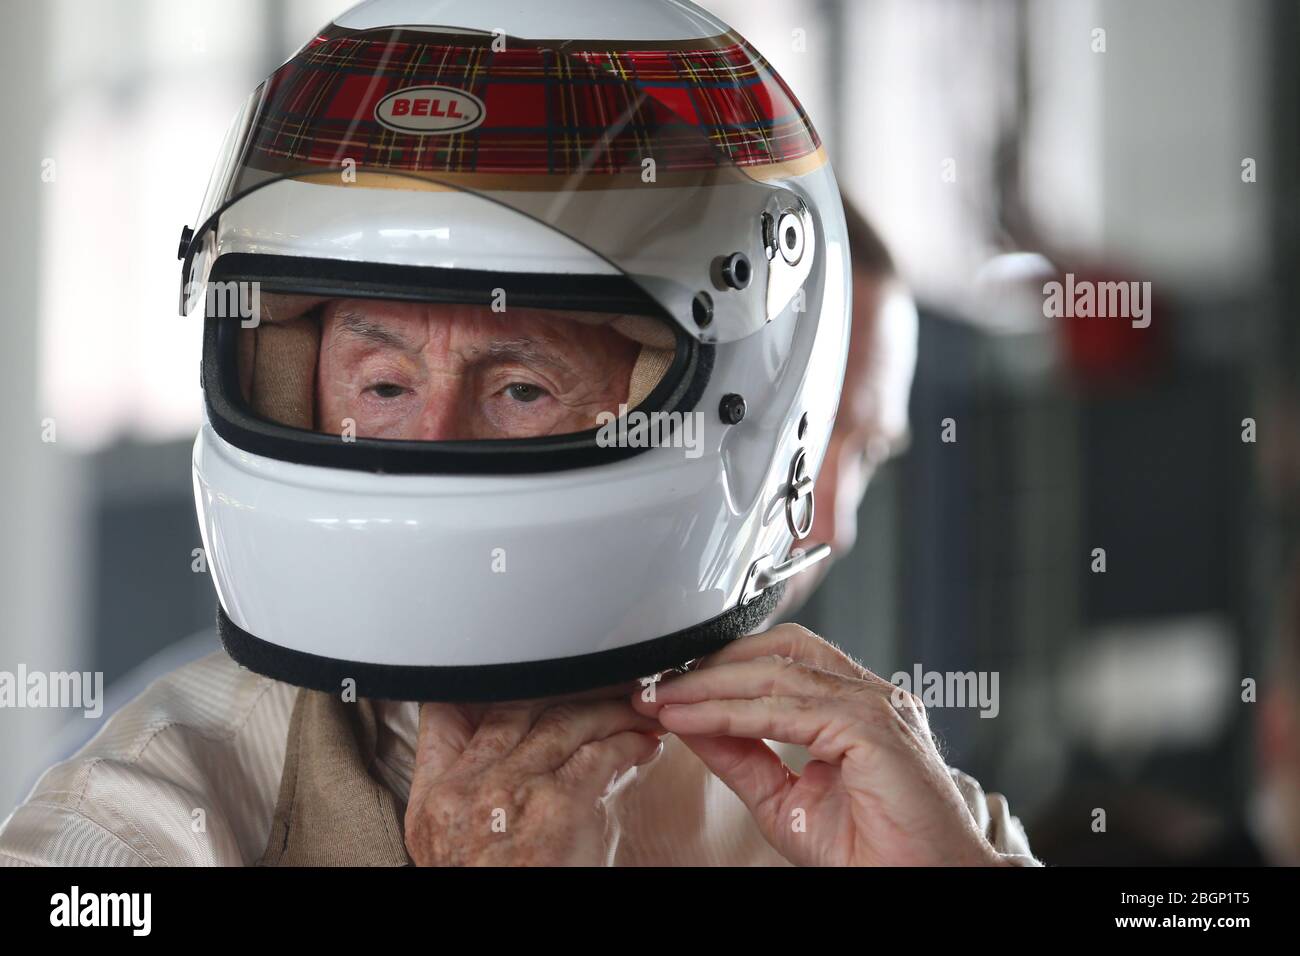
x=871 y=423
x=383 y=729
x=1274 y=822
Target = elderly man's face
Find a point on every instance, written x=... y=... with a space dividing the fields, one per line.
x=435 y=372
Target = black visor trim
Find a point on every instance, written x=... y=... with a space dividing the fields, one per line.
x=679 y=391
x=496 y=682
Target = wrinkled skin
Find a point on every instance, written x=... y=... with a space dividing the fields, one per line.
x=876 y=792
x=521 y=783
x=440 y=372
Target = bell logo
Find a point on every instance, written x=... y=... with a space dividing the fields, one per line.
x=430 y=110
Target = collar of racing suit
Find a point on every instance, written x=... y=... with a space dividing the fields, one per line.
x=333 y=809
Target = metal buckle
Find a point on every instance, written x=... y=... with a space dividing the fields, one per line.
x=765 y=572
x=800 y=486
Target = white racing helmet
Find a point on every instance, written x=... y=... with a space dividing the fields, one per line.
x=629 y=167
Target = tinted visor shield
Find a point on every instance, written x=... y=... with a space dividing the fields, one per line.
x=673 y=165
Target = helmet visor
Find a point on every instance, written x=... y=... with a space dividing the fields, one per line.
x=674 y=166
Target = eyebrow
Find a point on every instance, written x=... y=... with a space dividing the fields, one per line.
x=527 y=351
x=524 y=351
x=354 y=323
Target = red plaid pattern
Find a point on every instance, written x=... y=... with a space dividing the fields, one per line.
x=547 y=112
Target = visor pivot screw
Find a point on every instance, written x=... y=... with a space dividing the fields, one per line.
x=732 y=409
x=736 y=271
x=187 y=235
x=790 y=238
x=702 y=310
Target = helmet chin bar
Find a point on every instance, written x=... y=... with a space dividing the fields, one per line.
x=488 y=683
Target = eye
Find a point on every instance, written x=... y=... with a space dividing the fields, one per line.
x=525 y=391
x=386 y=390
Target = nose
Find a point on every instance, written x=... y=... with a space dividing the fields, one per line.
x=442 y=417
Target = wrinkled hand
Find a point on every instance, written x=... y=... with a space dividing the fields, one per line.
x=875 y=793
x=520 y=784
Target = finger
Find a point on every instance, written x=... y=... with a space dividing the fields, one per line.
x=562 y=729
x=789 y=640
x=829 y=729
x=499 y=732
x=760 y=677
x=593 y=767
x=444 y=733
x=750 y=769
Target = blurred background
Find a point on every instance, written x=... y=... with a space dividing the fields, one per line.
x=992 y=143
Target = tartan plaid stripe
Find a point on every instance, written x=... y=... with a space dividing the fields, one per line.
x=547 y=112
